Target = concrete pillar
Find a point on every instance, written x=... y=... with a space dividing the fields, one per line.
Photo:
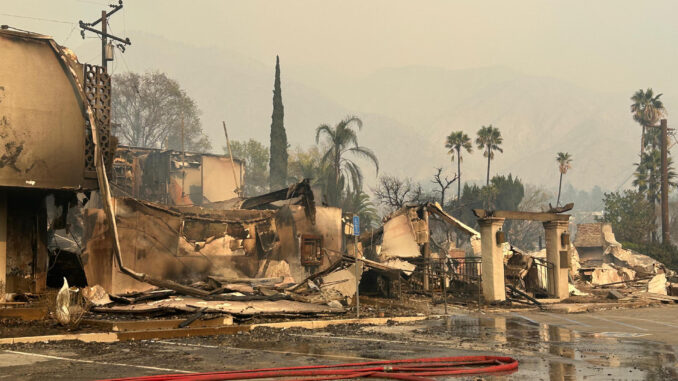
x=494 y=289
x=558 y=255
x=3 y=244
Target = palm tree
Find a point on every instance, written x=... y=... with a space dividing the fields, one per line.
x=457 y=141
x=648 y=180
x=647 y=109
x=342 y=140
x=564 y=160
x=648 y=175
x=307 y=164
x=358 y=202
x=489 y=139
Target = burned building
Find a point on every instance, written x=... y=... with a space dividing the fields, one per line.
x=46 y=147
x=175 y=178
x=280 y=234
x=592 y=242
x=406 y=242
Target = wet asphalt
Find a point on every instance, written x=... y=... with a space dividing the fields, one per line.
x=637 y=344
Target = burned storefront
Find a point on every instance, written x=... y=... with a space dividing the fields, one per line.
x=282 y=234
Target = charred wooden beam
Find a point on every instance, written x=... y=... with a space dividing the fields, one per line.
x=301 y=189
x=517 y=215
x=435 y=208
x=561 y=209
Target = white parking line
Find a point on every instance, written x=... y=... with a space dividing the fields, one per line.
x=410 y=341
x=98 y=362
x=648 y=320
x=566 y=319
x=184 y=344
x=351 y=338
x=619 y=323
x=525 y=318
x=264 y=350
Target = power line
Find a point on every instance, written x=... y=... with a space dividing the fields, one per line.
x=70 y=33
x=625 y=181
x=106 y=47
x=92 y=2
x=38 y=19
x=124 y=61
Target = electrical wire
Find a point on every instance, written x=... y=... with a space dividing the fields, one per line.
x=38 y=19
x=124 y=61
x=92 y=2
x=70 y=33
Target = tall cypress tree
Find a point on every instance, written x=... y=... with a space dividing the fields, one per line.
x=278 y=158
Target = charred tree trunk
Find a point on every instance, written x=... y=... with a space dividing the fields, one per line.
x=560 y=184
x=488 y=167
x=458 y=175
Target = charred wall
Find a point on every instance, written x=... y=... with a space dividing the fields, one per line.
x=190 y=243
x=43 y=132
x=25 y=255
x=175 y=178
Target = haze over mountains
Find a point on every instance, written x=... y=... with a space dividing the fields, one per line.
x=408 y=112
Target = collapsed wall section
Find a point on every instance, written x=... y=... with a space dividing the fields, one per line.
x=194 y=243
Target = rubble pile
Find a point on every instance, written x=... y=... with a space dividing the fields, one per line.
x=328 y=292
x=600 y=269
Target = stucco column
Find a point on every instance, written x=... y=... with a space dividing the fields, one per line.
x=492 y=260
x=558 y=255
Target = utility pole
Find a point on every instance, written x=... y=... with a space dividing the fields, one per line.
x=106 y=49
x=356 y=233
x=426 y=248
x=104 y=41
x=183 y=157
x=238 y=191
x=666 y=236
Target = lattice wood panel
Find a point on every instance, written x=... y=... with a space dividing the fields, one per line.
x=97 y=87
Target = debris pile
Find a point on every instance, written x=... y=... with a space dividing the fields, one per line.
x=327 y=292
x=608 y=265
x=600 y=269
x=416 y=240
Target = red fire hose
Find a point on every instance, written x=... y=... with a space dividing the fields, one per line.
x=408 y=370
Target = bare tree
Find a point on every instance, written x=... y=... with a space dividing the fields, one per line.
x=443 y=184
x=525 y=234
x=394 y=192
x=151 y=108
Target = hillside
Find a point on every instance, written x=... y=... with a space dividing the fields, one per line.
x=408 y=112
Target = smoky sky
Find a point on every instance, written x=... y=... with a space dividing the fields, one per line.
x=604 y=45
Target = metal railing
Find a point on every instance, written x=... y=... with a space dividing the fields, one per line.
x=543 y=283
x=467 y=270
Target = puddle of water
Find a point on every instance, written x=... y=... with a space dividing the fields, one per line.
x=546 y=352
x=569 y=354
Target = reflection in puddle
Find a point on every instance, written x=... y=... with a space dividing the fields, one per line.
x=569 y=355
x=545 y=352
